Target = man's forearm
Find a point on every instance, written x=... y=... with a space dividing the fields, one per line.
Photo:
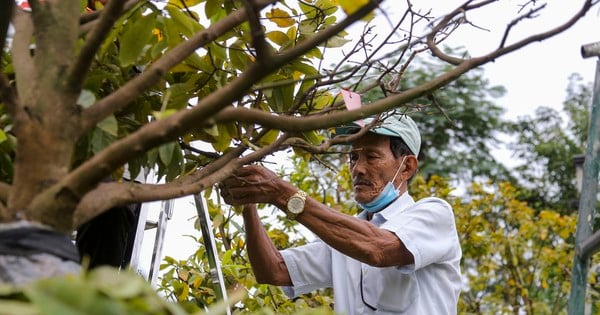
x=267 y=263
x=353 y=237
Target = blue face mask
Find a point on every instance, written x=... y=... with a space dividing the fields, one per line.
x=386 y=196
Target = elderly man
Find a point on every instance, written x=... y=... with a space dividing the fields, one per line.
x=397 y=256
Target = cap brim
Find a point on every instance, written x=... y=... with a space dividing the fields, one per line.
x=345 y=130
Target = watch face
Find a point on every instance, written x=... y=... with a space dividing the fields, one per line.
x=295 y=205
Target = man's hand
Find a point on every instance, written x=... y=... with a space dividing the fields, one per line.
x=255 y=184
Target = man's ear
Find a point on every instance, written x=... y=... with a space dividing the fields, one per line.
x=411 y=165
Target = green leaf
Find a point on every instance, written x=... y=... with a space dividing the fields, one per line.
x=3 y=136
x=304 y=68
x=336 y=41
x=158 y=49
x=309 y=11
x=214 y=9
x=188 y=3
x=135 y=38
x=280 y=17
x=110 y=126
x=278 y=37
x=184 y=23
x=174 y=169
x=9 y=307
x=223 y=140
x=63 y=296
x=164 y=114
x=268 y=138
x=199 y=63
x=315 y=53
x=171 y=33
x=165 y=152
x=218 y=53
x=313 y=137
x=118 y=285
x=238 y=57
x=351 y=6
x=100 y=140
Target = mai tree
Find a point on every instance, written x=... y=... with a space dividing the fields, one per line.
x=192 y=89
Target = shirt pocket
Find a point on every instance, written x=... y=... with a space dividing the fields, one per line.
x=387 y=290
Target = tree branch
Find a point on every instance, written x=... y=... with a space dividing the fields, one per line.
x=258 y=34
x=108 y=195
x=326 y=145
x=96 y=202
x=5 y=215
x=127 y=93
x=22 y=59
x=93 y=40
x=453 y=18
x=89 y=20
x=4 y=189
x=514 y=22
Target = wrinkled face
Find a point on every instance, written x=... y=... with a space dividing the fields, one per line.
x=372 y=165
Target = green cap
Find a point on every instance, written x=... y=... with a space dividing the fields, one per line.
x=394 y=124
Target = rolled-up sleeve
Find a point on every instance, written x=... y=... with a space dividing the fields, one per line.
x=428 y=231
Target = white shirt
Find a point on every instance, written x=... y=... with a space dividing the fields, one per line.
x=430 y=286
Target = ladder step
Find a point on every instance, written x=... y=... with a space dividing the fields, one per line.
x=151 y=225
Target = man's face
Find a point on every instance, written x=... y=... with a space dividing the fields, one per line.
x=372 y=165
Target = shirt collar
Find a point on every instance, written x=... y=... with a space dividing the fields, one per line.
x=399 y=205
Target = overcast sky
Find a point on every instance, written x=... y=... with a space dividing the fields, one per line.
x=537 y=74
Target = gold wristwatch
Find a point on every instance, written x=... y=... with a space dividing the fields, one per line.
x=295 y=205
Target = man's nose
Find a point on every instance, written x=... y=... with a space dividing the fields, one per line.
x=357 y=167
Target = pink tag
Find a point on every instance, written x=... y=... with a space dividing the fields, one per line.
x=352 y=101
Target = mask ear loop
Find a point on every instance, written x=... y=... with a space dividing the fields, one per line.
x=398 y=172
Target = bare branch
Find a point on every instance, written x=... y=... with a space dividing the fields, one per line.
x=435 y=103
x=211 y=155
x=528 y=15
x=453 y=19
x=80 y=68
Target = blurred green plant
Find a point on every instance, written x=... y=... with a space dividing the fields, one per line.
x=101 y=291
